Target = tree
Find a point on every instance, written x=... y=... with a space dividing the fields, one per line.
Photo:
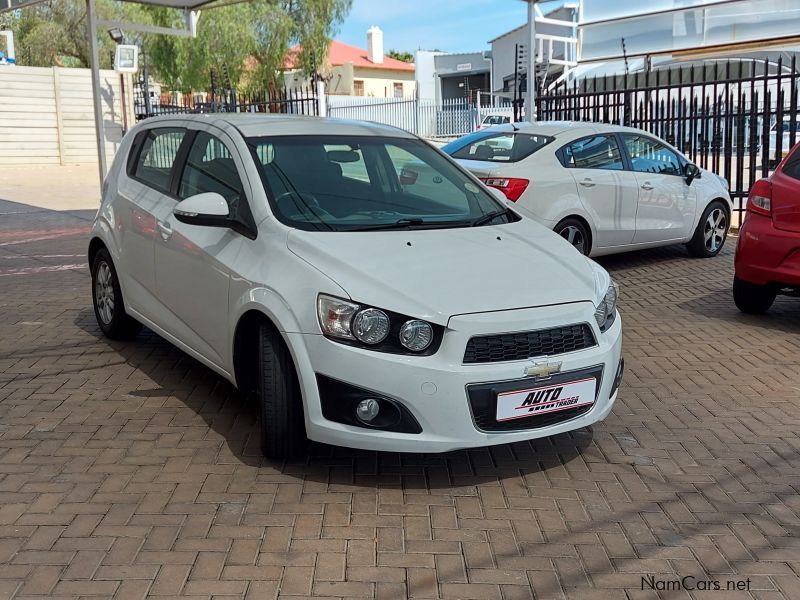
x=248 y=41
x=403 y=55
x=54 y=33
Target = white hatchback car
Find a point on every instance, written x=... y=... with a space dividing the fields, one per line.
x=303 y=261
x=605 y=188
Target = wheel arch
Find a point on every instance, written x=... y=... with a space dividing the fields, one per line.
x=95 y=245
x=245 y=348
x=585 y=222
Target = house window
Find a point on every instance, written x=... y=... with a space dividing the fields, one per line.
x=358 y=87
x=398 y=89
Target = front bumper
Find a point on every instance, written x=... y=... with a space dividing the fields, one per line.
x=435 y=389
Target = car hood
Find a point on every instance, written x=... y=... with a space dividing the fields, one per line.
x=434 y=274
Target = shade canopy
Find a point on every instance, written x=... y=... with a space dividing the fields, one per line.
x=7 y=5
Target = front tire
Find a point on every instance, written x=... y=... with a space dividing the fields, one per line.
x=711 y=232
x=576 y=233
x=109 y=308
x=751 y=298
x=283 y=432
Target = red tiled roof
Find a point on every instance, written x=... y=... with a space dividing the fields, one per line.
x=339 y=54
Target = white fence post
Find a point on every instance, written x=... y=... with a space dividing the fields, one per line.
x=322 y=105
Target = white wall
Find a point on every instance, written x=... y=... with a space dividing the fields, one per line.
x=425 y=75
x=46 y=115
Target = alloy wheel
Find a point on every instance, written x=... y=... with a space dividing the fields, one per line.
x=104 y=292
x=714 y=230
x=575 y=237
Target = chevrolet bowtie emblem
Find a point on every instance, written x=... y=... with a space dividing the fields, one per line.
x=542 y=369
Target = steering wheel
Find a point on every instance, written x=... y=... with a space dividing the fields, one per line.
x=301 y=203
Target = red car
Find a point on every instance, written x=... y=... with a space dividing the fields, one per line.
x=768 y=251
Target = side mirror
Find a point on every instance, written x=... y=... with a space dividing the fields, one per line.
x=499 y=195
x=208 y=209
x=690 y=173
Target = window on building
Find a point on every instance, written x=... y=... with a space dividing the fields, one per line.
x=398 y=89
x=358 y=87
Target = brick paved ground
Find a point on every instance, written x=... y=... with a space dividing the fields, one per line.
x=130 y=469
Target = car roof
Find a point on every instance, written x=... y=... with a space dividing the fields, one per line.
x=256 y=125
x=557 y=128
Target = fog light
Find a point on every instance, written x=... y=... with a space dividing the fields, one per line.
x=367 y=410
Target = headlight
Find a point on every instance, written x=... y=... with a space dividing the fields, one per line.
x=370 y=326
x=416 y=335
x=335 y=316
x=606 y=295
x=382 y=330
x=607 y=309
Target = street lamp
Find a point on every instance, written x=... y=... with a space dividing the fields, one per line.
x=115 y=33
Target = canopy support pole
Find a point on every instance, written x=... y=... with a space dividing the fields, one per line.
x=99 y=125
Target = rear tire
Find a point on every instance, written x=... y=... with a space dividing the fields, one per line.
x=576 y=233
x=751 y=298
x=283 y=432
x=711 y=232
x=109 y=308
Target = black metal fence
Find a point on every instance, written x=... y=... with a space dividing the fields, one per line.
x=735 y=118
x=152 y=100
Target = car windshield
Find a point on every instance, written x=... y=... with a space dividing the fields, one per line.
x=507 y=146
x=352 y=183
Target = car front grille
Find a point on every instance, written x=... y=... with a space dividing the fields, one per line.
x=529 y=344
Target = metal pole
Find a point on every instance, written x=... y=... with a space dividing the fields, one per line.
x=530 y=107
x=515 y=101
x=99 y=126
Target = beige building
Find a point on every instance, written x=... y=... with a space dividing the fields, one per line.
x=352 y=71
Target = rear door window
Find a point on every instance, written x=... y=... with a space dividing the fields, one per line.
x=594 y=152
x=157 y=157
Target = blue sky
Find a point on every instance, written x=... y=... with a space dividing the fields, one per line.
x=449 y=25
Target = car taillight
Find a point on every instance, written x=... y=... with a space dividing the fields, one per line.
x=760 y=199
x=512 y=187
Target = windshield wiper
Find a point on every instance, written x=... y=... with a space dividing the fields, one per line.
x=488 y=217
x=399 y=224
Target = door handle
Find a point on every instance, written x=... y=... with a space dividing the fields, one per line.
x=165 y=230
x=647 y=186
x=587 y=182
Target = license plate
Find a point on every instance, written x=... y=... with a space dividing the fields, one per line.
x=548 y=399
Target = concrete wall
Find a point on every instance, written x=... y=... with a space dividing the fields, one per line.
x=425 y=75
x=46 y=115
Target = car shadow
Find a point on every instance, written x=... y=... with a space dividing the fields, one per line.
x=233 y=418
x=663 y=255
x=784 y=316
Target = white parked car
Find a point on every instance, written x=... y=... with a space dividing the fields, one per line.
x=299 y=259
x=491 y=120
x=605 y=188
